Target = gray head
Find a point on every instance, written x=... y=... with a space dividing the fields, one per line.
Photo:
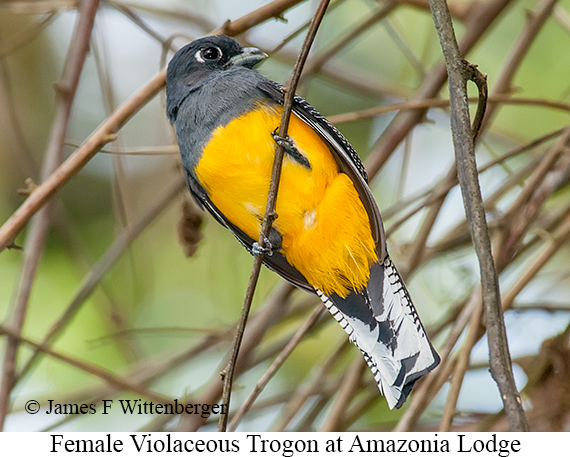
x=200 y=59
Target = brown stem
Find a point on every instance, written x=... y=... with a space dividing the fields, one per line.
x=460 y=72
x=277 y=363
x=106 y=132
x=476 y=25
x=65 y=94
x=270 y=215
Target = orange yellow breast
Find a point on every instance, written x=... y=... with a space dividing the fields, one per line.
x=325 y=228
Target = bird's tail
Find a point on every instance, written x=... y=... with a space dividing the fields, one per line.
x=385 y=326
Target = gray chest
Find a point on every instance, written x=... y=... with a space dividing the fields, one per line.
x=212 y=104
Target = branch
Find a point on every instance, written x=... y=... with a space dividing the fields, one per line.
x=65 y=94
x=477 y=24
x=270 y=215
x=444 y=103
x=107 y=131
x=460 y=71
x=277 y=363
x=110 y=378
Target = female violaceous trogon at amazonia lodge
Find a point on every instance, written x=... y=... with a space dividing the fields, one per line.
x=328 y=237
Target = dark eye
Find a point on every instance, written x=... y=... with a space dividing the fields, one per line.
x=211 y=53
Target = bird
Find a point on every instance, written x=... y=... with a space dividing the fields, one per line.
x=328 y=237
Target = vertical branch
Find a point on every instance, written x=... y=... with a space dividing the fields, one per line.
x=460 y=72
x=270 y=215
x=65 y=93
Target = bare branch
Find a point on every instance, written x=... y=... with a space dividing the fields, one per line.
x=277 y=363
x=65 y=94
x=270 y=214
x=460 y=72
x=107 y=131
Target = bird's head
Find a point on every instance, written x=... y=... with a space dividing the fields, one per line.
x=197 y=60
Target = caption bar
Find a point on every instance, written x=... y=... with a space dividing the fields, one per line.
x=287 y=444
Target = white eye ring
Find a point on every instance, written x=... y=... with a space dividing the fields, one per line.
x=200 y=58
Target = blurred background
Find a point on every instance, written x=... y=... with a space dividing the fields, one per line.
x=135 y=292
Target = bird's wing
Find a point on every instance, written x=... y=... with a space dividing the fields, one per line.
x=344 y=154
x=276 y=262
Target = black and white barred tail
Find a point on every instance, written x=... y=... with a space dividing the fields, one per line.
x=383 y=323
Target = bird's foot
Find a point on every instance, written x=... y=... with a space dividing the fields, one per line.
x=290 y=149
x=257 y=249
x=286 y=142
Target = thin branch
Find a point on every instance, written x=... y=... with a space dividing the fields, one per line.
x=106 y=261
x=444 y=103
x=291 y=36
x=317 y=62
x=307 y=390
x=349 y=385
x=65 y=94
x=107 y=131
x=559 y=238
x=477 y=24
x=105 y=375
x=277 y=363
x=460 y=369
x=270 y=215
x=459 y=72
x=536 y=21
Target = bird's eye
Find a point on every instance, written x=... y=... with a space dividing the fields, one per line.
x=211 y=53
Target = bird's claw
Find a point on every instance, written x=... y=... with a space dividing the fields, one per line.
x=257 y=249
x=286 y=142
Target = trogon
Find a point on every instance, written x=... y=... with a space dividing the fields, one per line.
x=328 y=237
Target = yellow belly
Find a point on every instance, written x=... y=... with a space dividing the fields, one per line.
x=325 y=228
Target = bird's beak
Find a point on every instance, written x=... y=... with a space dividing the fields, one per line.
x=249 y=58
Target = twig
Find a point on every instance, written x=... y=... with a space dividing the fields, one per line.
x=277 y=363
x=478 y=22
x=106 y=132
x=108 y=259
x=539 y=186
x=65 y=94
x=307 y=390
x=169 y=12
x=559 y=238
x=291 y=36
x=105 y=375
x=460 y=369
x=270 y=215
x=316 y=63
x=274 y=9
x=520 y=50
x=441 y=190
x=460 y=72
x=444 y=103
x=349 y=385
